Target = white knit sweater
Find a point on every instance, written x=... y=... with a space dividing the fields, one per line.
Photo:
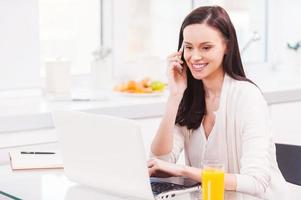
x=241 y=138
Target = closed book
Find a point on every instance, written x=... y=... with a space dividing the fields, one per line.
x=30 y=160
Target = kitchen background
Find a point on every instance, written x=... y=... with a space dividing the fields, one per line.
x=50 y=49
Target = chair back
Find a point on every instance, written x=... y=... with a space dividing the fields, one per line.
x=289 y=162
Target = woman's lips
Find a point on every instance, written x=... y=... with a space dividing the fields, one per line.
x=199 y=67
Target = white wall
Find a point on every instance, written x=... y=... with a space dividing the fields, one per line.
x=19 y=44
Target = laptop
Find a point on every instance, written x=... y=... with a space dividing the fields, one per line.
x=108 y=153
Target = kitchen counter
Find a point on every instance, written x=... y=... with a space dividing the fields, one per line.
x=31 y=110
x=34 y=112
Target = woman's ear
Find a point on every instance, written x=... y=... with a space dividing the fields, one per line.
x=225 y=47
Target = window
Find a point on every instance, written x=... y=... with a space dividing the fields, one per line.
x=19 y=44
x=141 y=33
x=145 y=32
x=69 y=29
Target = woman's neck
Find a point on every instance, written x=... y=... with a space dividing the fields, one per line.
x=213 y=84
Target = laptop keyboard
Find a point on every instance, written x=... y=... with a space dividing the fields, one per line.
x=159 y=187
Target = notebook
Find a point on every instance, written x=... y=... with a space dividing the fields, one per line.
x=35 y=161
x=108 y=153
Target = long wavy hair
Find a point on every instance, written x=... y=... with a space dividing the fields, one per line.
x=192 y=106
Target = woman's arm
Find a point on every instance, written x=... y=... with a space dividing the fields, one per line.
x=163 y=141
x=256 y=154
x=165 y=169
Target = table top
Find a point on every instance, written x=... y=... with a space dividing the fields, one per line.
x=53 y=184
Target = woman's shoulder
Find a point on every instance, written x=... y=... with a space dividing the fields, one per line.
x=245 y=87
x=246 y=91
x=246 y=98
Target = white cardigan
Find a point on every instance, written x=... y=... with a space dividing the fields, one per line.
x=241 y=138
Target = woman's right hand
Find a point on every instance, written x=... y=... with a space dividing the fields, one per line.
x=177 y=79
x=160 y=168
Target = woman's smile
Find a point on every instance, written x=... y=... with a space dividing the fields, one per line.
x=198 y=66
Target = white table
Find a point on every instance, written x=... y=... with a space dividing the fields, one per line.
x=53 y=184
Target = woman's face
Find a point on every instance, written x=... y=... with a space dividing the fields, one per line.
x=204 y=50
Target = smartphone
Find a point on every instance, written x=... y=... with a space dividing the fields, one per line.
x=182 y=50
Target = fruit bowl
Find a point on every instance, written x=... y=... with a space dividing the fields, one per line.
x=145 y=87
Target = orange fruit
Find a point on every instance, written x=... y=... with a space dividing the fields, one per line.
x=131 y=85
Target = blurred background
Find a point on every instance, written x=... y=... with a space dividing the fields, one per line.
x=134 y=37
x=70 y=54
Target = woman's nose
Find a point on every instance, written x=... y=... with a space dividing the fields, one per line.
x=196 y=56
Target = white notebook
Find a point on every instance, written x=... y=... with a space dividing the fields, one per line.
x=30 y=160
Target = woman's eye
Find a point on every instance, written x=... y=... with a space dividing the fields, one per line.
x=207 y=48
x=188 y=47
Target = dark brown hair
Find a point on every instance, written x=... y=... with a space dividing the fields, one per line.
x=192 y=107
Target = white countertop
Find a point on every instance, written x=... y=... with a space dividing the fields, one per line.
x=34 y=112
x=30 y=109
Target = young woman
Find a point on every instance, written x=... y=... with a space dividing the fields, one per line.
x=214 y=112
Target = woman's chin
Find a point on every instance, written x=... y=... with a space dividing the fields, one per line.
x=198 y=76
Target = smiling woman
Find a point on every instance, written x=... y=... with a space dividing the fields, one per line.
x=214 y=112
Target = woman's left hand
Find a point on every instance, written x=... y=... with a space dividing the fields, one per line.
x=160 y=168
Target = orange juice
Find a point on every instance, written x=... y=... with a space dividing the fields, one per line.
x=212 y=184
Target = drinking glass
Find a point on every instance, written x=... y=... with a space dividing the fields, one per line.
x=212 y=180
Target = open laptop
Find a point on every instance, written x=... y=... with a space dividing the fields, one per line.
x=108 y=153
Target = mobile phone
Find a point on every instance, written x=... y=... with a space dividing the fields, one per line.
x=181 y=50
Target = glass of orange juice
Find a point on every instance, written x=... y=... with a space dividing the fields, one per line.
x=212 y=178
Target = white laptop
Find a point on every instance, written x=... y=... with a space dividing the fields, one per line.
x=108 y=153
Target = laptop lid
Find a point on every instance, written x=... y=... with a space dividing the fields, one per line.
x=104 y=152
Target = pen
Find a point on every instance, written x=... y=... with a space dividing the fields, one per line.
x=9 y=195
x=35 y=152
